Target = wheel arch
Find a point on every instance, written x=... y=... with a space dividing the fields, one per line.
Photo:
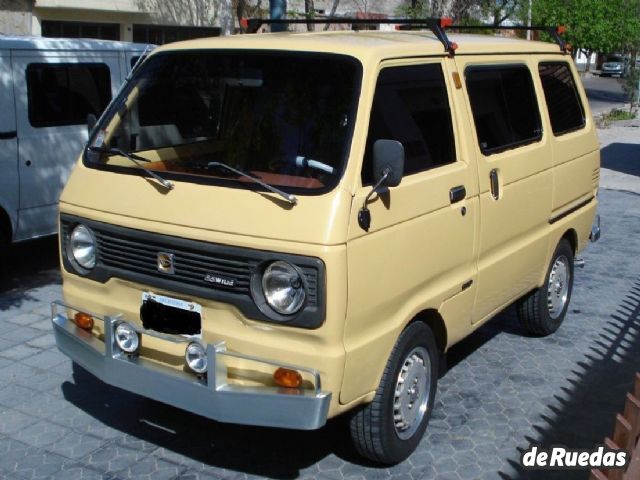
x=433 y=319
x=572 y=237
x=6 y=226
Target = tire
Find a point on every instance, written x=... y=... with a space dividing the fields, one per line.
x=376 y=431
x=542 y=311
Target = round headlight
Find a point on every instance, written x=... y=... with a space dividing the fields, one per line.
x=283 y=288
x=196 y=357
x=83 y=247
x=127 y=338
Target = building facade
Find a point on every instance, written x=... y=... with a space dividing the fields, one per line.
x=150 y=21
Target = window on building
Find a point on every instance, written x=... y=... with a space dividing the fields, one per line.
x=411 y=106
x=161 y=34
x=504 y=106
x=563 y=102
x=64 y=94
x=103 y=31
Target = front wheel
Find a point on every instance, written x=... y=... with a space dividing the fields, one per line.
x=390 y=428
x=543 y=310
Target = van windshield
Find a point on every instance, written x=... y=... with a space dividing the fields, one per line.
x=284 y=118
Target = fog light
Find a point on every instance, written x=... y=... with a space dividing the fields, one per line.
x=83 y=320
x=127 y=338
x=196 y=357
x=285 y=377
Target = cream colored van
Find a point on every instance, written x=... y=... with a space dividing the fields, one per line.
x=276 y=229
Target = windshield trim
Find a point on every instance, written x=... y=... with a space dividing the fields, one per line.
x=116 y=104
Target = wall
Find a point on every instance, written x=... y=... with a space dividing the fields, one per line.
x=15 y=17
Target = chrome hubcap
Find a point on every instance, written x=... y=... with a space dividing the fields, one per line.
x=558 y=289
x=411 y=397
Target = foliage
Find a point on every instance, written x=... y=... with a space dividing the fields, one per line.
x=593 y=25
x=614 y=115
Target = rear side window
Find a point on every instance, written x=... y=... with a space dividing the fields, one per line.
x=411 y=106
x=504 y=106
x=563 y=102
x=64 y=94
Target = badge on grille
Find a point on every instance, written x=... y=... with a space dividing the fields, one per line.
x=219 y=280
x=165 y=263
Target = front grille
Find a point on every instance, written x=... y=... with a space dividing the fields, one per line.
x=133 y=255
x=123 y=252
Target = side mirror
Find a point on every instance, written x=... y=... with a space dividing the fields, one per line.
x=388 y=166
x=91 y=122
x=388 y=158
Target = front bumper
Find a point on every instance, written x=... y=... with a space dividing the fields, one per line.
x=210 y=396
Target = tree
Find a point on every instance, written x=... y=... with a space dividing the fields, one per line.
x=499 y=11
x=309 y=12
x=592 y=25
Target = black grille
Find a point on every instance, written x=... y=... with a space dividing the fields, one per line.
x=126 y=253
x=133 y=255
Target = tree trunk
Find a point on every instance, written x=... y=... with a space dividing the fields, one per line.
x=309 y=11
x=586 y=68
x=334 y=7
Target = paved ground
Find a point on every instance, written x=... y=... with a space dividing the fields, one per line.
x=502 y=391
x=604 y=93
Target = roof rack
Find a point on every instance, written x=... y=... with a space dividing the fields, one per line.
x=436 y=25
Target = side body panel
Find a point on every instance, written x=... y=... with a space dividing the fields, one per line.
x=514 y=227
x=9 y=180
x=47 y=154
x=418 y=253
x=576 y=172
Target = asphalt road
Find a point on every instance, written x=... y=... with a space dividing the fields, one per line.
x=501 y=392
x=604 y=93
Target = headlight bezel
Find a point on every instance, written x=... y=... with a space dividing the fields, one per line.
x=261 y=300
x=304 y=287
x=69 y=251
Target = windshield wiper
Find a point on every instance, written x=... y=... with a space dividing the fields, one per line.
x=287 y=196
x=135 y=159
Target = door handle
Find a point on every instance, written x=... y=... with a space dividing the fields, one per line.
x=495 y=184
x=457 y=194
x=8 y=135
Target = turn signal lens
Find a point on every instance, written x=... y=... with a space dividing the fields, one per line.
x=83 y=320
x=285 y=377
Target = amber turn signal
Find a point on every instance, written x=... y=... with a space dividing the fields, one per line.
x=83 y=320
x=285 y=377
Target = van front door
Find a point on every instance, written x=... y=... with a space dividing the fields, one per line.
x=9 y=181
x=514 y=168
x=419 y=252
x=55 y=91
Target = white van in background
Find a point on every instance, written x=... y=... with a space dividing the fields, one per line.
x=48 y=87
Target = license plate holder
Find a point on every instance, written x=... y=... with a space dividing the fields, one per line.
x=170 y=315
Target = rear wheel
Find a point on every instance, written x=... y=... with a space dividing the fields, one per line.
x=543 y=310
x=389 y=429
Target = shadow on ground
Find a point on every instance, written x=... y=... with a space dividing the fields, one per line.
x=27 y=266
x=596 y=393
x=606 y=95
x=269 y=452
x=622 y=157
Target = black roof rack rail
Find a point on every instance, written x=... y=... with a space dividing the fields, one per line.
x=436 y=25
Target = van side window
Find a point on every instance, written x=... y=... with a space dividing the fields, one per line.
x=563 y=102
x=65 y=93
x=504 y=106
x=411 y=105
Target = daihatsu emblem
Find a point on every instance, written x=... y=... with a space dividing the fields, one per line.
x=165 y=263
